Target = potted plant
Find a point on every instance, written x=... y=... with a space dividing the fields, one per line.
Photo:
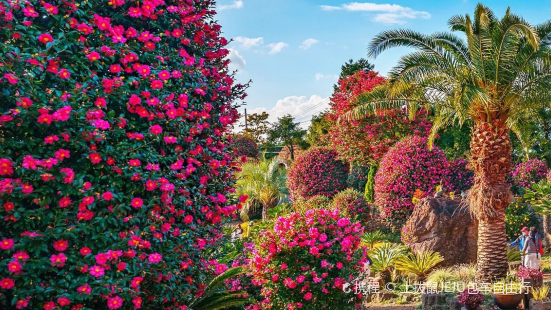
x=508 y=299
x=471 y=299
x=540 y=300
x=531 y=277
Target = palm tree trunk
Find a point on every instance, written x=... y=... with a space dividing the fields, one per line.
x=490 y=196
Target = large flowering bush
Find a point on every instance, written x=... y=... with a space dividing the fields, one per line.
x=352 y=203
x=317 y=171
x=245 y=146
x=305 y=261
x=409 y=166
x=365 y=141
x=115 y=175
x=460 y=177
x=529 y=172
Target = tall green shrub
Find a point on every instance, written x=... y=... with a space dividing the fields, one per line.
x=115 y=173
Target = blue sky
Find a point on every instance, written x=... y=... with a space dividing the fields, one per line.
x=292 y=50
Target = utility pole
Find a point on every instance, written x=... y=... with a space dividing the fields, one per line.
x=246 y=127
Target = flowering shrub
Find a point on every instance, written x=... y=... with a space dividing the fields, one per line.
x=357 y=178
x=529 y=172
x=245 y=146
x=529 y=273
x=517 y=215
x=460 y=178
x=365 y=141
x=470 y=298
x=304 y=262
x=316 y=172
x=352 y=203
x=407 y=167
x=115 y=174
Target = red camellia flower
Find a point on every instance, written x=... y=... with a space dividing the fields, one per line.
x=6 y=244
x=136 y=203
x=114 y=302
x=86 y=289
x=62 y=301
x=85 y=251
x=7 y=283
x=6 y=166
x=107 y=196
x=45 y=38
x=93 y=56
x=136 y=281
x=61 y=245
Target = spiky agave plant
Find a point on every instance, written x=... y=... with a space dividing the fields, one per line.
x=217 y=297
x=496 y=77
x=419 y=263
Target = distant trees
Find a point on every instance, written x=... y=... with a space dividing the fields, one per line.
x=257 y=127
x=288 y=133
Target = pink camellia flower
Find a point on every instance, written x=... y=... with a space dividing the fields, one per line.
x=22 y=303
x=61 y=245
x=14 y=266
x=45 y=38
x=27 y=189
x=137 y=302
x=170 y=139
x=6 y=244
x=86 y=289
x=343 y=222
x=155 y=129
x=97 y=271
x=7 y=283
x=12 y=79
x=136 y=281
x=136 y=203
x=62 y=301
x=58 y=260
x=107 y=196
x=155 y=258
x=114 y=302
x=121 y=266
x=308 y=296
x=50 y=305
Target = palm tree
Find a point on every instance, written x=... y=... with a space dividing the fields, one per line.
x=217 y=297
x=264 y=182
x=419 y=263
x=497 y=77
x=384 y=257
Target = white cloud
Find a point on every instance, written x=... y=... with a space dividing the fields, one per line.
x=236 y=5
x=321 y=76
x=247 y=43
x=306 y=44
x=330 y=8
x=237 y=62
x=276 y=47
x=301 y=106
x=384 y=13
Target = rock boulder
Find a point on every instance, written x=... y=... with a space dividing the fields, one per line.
x=441 y=225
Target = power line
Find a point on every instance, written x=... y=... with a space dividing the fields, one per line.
x=301 y=114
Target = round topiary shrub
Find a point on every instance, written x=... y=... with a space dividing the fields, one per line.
x=409 y=166
x=316 y=202
x=352 y=203
x=318 y=171
x=245 y=146
x=115 y=168
x=358 y=177
x=305 y=261
x=527 y=173
x=460 y=178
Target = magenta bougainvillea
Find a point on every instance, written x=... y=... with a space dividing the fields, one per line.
x=352 y=203
x=409 y=166
x=365 y=141
x=317 y=171
x=245 y=146
x=529 y=172
x=305 y=261
x=460 y=177
x=115 y=173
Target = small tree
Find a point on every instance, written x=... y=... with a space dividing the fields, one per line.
x=288 y=133
x=257 y=127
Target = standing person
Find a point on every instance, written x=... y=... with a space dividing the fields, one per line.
x=540 y=243
x=520 y=241
x=531 y=251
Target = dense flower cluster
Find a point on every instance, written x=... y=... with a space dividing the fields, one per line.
x=470 y=298
x=245 y=146
x=407 y=167
x=352 y=203
x=317 y=171
x=305 y=261
x=115 y=172
x=529 y=273
x=460 y=178
x=365 y=141
x=529 y=172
